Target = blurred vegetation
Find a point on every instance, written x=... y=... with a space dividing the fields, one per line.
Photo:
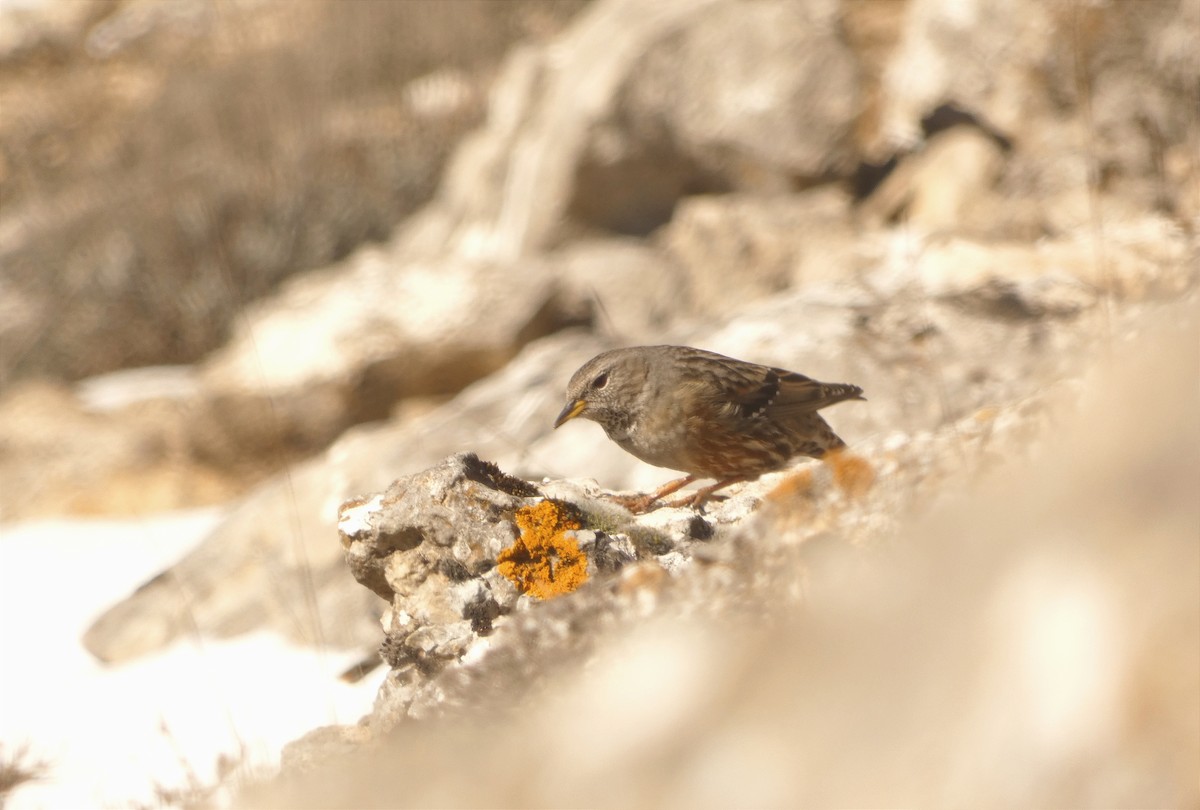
x=18 y=766
x=161 y=164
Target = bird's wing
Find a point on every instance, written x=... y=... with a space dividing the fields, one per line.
x=749 y=389
x=798 y=394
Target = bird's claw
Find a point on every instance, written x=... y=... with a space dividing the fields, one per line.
x=689 y=502
x=637 y=504
x=696 y=501
x=644 y=504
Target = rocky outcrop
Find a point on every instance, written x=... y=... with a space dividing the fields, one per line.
x=871 y=604
x=465 y=554
x=456 y=291
x=434 y=544
x=343 y=347
x=964 y=329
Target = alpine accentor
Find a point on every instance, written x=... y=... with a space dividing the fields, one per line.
x=703 y=413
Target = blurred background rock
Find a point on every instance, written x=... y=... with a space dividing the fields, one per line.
x=275 y=255
x=164 y=164
x=1034 y=641
x=334 y=210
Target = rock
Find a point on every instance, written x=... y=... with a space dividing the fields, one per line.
x=542 y=107
x=937 y=326
x=737 y=247
x=430 y=546
x=1090 y=99
x=947 y=186
x=993 y=590
x=277 y=549
x=437 y=544
x=1142 y=259
x=421 y=317
x=624 y=114
x=980 y=57
x=635 y=290
x=325 y=740
x=286 y=387
x=24 y=28
x=102 y=450
x=977 y=606
x=343 y=346
x=780 y=102
x=963 y=331
x=461 y=547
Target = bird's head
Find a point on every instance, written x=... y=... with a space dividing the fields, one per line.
x=607 y=389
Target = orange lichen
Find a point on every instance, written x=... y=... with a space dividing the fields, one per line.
x=643 y=576
x=852 y=474
x=794 y=486
x=985 y=415
x=544 y=561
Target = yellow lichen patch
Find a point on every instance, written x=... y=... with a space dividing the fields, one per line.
x=985 y=415
x=794 y=486
x=643 y=576
x=853 y=475
x=544 y=562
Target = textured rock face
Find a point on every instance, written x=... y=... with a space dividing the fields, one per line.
x=462 y=545
x=440 y=546
x=1016 y=631
x=395 y=542
x=776 y=110
x=995 y=642
x=1080 y=92
x=682 y=171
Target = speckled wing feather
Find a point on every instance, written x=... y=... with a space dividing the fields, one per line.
x=796 y=394
x=749 y=389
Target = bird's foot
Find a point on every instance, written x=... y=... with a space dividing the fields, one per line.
x=641 y=504
x=637 y=504
x=705 y=495
x=695 y=501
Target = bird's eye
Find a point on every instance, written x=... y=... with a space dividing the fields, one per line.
x=600 y=381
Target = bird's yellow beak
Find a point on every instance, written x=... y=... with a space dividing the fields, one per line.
x=572 y=410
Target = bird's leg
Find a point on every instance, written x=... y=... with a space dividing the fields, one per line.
x=697 y=500
x=641 y=503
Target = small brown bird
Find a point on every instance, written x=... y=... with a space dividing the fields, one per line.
x=703 y=413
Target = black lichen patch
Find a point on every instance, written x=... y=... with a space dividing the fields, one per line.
x=699 y=528
x=398 y=654
x=393 y=651
x=606 y=555
x=485 y=472
x=453 y=570
x=481 y=612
